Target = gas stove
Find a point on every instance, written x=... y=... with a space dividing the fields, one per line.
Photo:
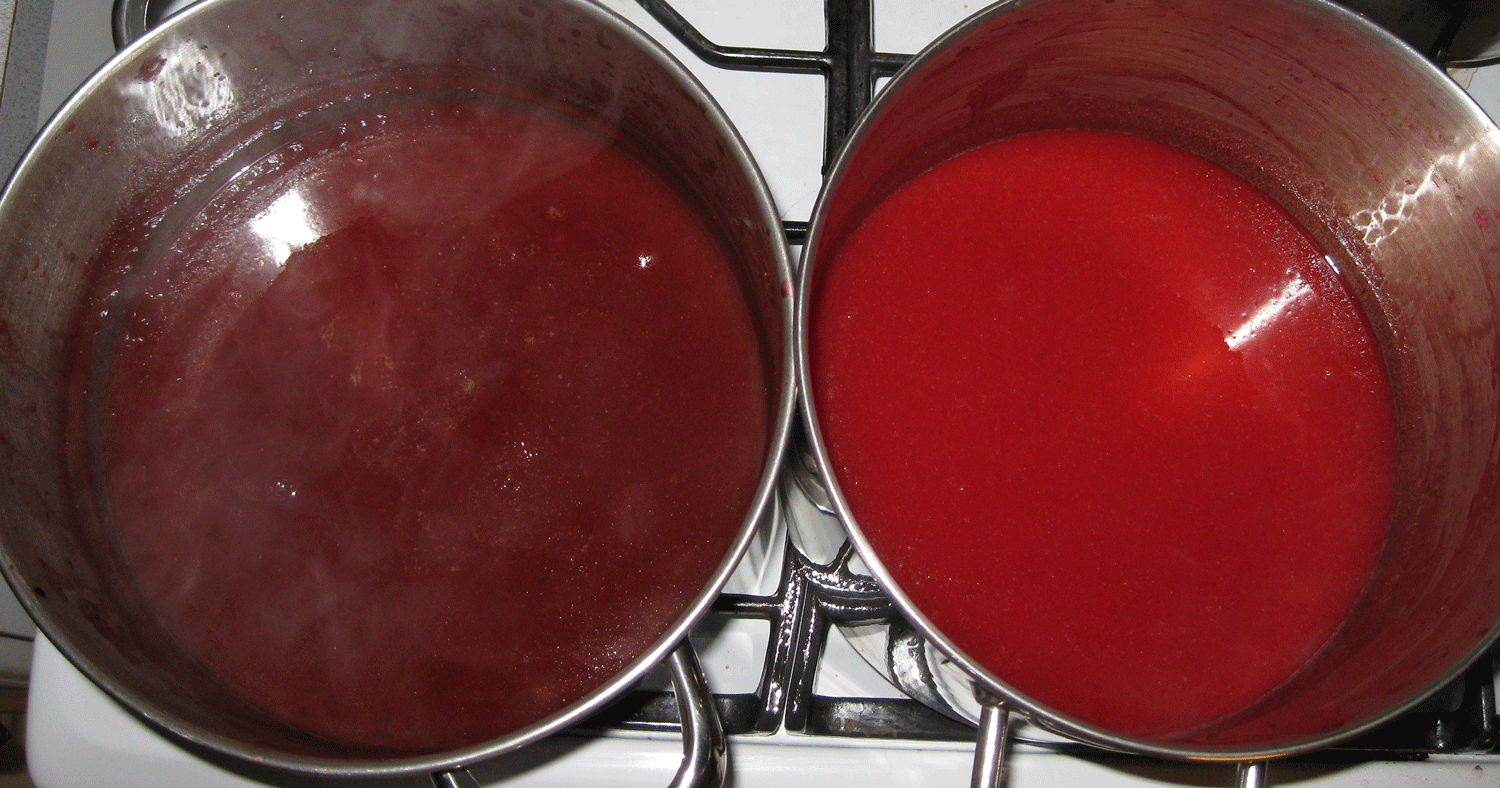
x=790 y=648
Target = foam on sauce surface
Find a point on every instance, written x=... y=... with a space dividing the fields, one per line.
x=1112 y=422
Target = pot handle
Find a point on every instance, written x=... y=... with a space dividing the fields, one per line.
x=1252 y=774
x=994 y=733
x=705 y=756
x=458 y=778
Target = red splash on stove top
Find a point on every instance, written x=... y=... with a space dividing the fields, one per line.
x=1110 y=420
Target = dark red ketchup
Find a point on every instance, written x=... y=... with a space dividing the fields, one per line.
x=431 y=421
x=1111 y=420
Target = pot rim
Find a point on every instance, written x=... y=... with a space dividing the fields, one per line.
x=984 y=679
x=128 y=60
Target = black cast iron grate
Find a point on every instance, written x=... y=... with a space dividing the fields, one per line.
x=811 y=597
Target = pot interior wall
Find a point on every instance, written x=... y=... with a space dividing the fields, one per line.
x=1386 y=164
x=167 y=124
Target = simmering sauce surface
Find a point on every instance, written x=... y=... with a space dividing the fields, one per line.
x=1111 y=420
x=430 y=422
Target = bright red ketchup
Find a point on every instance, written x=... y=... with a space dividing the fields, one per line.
x=1111 y=420
x=431 y=422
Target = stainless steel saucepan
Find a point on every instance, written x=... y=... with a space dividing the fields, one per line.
x=1392 y=168
x=174 y=119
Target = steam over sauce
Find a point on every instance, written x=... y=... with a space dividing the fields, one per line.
x=1112 y=422
x=432 y=421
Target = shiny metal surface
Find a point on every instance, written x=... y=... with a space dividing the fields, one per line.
x=705 y=760
x=1396 y=173
x=458 y=778
x=990 y=759
x=130 y=19
x=179 y=98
